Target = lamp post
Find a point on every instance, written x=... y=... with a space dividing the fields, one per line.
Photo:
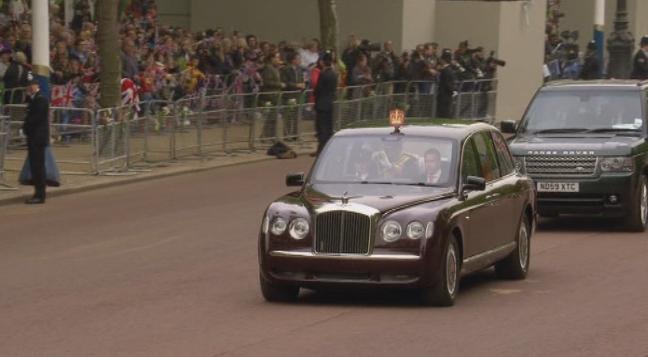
x=620 y=44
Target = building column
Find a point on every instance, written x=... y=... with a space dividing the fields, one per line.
x=599 y=35
x=620 y=44
x=40 y=44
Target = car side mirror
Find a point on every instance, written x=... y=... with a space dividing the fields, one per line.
x=508 y=126
x=295 y=180
x=474 y=183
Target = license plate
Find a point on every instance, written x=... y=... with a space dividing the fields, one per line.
x=558 y=187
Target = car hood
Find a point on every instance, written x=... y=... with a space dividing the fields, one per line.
x=384 y=198
x=572 y=145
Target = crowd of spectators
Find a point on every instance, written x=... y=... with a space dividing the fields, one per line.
x=171 y=63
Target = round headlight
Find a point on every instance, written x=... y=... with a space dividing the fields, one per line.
x=299 y=228
x=278 y=226
x=265 y=225
x=391 y=231
x=415 y=230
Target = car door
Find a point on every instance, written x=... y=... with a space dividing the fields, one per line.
x=474 y=212
x=510 y=200
x=494 y=221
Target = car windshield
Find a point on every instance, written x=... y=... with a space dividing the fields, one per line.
x=390 y=159
x=582 y=111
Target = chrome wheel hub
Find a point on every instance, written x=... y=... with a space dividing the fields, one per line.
x=451 y=270
x=644 y=204
x=523 y=247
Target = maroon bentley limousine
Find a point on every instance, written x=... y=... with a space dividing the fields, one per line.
x=415 y=208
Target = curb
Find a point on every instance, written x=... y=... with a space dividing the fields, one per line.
x=136 y=179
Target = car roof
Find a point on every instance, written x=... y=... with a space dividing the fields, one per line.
x=608 y=84
x=452 y=129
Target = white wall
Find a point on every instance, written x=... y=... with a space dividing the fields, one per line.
x=174 y=12
x=418 y=22
x=521 y=44
x=475 y=21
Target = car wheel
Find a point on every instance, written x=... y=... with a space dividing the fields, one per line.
x=638 y=218
x=445 y=291
x=278 y=293
x=516 y=265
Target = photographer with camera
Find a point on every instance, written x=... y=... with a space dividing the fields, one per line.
x=591 y=65
x=447 y=85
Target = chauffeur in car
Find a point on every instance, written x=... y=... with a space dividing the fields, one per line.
x=453 y=204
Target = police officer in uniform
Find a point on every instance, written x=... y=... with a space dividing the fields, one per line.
x=325 y=92
x=591 y=66
x=36 y=128
x=640 y=62
x=447 y=86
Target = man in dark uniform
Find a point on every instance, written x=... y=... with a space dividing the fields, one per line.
x=325 y=92
x=447 y=86
x=640 y=62
x=591 y=66
x=36 y=128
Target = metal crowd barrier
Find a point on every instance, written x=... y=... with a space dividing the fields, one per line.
x=3 y=150
x=476 y=99
x=116 y=141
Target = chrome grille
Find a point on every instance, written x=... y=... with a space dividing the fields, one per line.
x=560 y=165
x=342 y=232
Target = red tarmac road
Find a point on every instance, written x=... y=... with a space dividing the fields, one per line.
x=169 y=268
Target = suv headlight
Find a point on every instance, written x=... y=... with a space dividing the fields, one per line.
x=391 y=231
x=279 y=226
x=616 y=164
x=299 y=228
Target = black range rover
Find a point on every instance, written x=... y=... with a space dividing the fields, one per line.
x=585 y=145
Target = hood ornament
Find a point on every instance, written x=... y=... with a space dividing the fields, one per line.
x=345 y=198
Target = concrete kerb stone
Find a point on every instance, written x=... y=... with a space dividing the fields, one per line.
x=19 y=197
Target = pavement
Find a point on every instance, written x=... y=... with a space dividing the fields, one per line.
x=73 y=181
x=169 y=268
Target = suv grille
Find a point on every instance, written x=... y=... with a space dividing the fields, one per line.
x=342 y=232
x=561 y=165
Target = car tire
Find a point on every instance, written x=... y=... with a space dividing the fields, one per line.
x=444 y=292
x=516 y=265
x=638 y=218
x=278 y=293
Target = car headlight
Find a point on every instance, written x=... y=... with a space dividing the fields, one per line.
x=616 y=164
x=265 y=226
x=279 y=226
x=391 y=231
x=415 y=230
x=299 y=228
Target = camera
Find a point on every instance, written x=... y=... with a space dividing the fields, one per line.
x=496 y=61
x=367 y=46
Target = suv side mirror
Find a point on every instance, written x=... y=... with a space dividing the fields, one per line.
x=508 y=126
x=294 y=180
x=474 y=183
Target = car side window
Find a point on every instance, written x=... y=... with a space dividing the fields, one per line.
x=487 y=157
x=470 y=165
x=503 y=154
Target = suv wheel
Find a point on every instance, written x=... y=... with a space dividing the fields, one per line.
x=516 y=265
x=445 y=291
x=638 y=218
x=278 y=293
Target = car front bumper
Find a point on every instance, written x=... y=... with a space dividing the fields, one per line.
x=595 y=196
x=308 y=269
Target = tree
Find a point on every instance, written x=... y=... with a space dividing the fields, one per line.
x=328 y=24
x=109 y=53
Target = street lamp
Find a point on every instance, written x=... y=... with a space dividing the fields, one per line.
x=620 y=44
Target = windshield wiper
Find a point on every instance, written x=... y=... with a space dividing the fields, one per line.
x=561 y=131
x=613 y=130
x=422 y=184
